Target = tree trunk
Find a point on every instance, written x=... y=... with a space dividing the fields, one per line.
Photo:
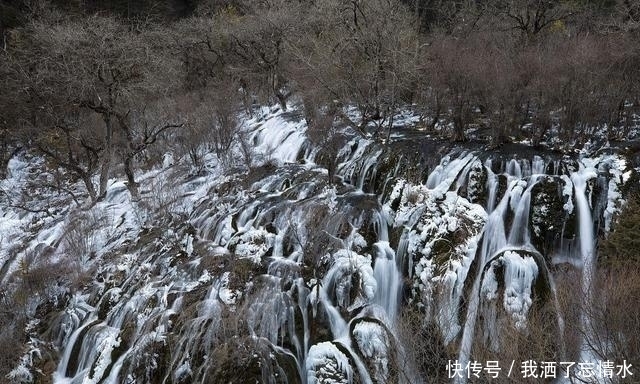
x=459 y=122
x=132 y=185
x=310 y=112
x=107 y=161
x=90 y=188
x=282 y=100
x=389 y=128
x=277 y=85
x=458 y=127
x=436 y=115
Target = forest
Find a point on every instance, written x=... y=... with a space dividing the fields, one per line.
x=317 y=191
x=92 y=83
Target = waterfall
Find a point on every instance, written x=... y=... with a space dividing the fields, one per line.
x=62 y=367
x=388 y=278
x=315 y=274
x=493 y=239
x=587 y=255
x=519 y=234
x=386 y=270
x=492 y=187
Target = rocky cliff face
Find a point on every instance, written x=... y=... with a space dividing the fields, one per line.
x=281 y=275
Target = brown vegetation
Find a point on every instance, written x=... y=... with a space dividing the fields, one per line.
x=93 y=87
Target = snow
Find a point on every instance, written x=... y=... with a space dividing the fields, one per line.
x=474 y=188
x=226 y=295
x=340 y=277
x=359 y=241
x=613 y=204
x=188 y=244
x=440 y=237
x=183 y=371
x=373 y=342
x=567 y=193
x=619 y=176
x=519 y=275
x=398 y=187
x=253 y=244
x=21 y=374
x=326 y=364
x=430 y=218
x=489 y=289
x=277 y=139
x=14 y=223
x=168 y=160
x=106 y=345
x=205 y=278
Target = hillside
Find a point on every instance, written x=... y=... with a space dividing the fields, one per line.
x=380 y=191
x=277 y=275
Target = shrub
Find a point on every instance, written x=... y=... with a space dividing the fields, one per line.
x=622 y=246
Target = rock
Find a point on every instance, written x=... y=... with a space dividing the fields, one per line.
x=547 y=216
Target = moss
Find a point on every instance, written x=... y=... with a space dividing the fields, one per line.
x=242 y=360
x=441 y=252
x=190 y=305
x=148 y=235
x=242 y=271
x=45 y=365
x=395 y=233
x=478 y=178
x=180 y=257
x=547 y=214
x=622 y=245
x=502 y=187
x=424 y=343
x=151 y=363
x=594 y=191
x=215 y=264
x=104 y=307
x=305 y=179
x=370 y=235
x=385 y=170
x=361 y=202
x=632 y=186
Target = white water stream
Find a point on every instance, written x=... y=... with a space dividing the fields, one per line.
x=309 y=319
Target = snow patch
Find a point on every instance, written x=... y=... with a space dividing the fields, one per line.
x=326 y=364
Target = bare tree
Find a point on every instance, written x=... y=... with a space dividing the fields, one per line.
x=373 y=70
x=253 y=36
x=98 y=65
x=531 y=17
x=451 y=67
x=212 y=125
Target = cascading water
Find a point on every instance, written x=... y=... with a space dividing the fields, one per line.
x=388 y=278
x=318 y=273
x=386 y=270
x=587 y=256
